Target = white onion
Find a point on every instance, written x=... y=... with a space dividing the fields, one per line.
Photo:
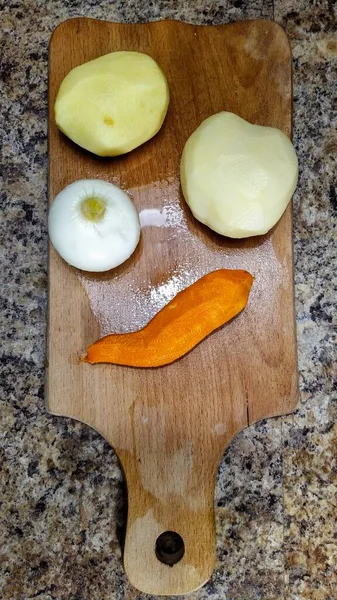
x=93 y=225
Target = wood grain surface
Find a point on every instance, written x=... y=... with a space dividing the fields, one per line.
x=171 y=425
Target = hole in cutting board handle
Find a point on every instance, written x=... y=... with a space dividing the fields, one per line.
x=170 y=548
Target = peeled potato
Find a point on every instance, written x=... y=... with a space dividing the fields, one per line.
x=113 y=104
x=238 y=178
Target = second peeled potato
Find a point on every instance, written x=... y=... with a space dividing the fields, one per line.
x=236 y=177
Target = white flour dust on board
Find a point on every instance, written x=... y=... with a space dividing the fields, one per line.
x=173 y=253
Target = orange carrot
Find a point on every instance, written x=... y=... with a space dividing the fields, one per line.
x=186 y=320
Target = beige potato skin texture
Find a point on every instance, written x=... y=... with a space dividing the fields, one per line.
x=113 y=104
x=238 y=178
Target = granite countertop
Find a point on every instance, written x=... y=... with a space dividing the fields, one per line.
x=62 y=493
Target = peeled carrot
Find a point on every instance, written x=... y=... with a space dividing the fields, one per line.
x=186 y=320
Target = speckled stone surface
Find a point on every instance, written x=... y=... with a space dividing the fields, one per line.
x=62 y=495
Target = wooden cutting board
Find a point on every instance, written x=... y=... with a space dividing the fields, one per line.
x=170 y=426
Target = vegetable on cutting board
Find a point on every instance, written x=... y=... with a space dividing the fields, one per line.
x=184 y=322
x=93 y=225
x=113 y=104
x=238 y=178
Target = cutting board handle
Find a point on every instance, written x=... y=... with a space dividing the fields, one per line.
x=170 y=538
